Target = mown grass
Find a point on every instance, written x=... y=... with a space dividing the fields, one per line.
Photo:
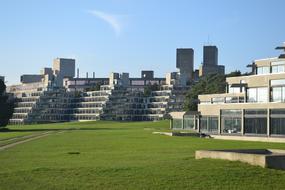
x=117 y=155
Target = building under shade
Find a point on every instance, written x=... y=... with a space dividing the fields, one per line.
x=253 y=105
x=210 y=62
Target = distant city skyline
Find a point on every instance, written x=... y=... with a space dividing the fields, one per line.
x=130 y=36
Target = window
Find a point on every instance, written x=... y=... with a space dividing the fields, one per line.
x=277 y=118
x=177 y=124
x=257 y=95
x=251 y=95
x=278 y=82
x=277 y=126
x=263 y=70
x=232 y=100
x=204 y=124
x=209 y=124
x=277 y=94
x=234 y=90
x=231 y=121
x=278 y=90
x=278 y=69
x=189 y=122
x=218 y=100
x=262 y=94
x=255 y=121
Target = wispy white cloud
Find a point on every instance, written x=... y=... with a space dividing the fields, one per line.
x=111 y=19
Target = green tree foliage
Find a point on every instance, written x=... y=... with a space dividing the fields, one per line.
x=6 y=106
x=210 y=84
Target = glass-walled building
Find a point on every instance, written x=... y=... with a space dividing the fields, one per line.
x=252 y=105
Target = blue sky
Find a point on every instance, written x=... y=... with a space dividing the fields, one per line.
x=131 y=35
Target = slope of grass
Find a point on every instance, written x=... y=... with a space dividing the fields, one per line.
x=113 y=155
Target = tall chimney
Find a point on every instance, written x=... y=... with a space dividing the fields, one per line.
x=94 y=75
x=77 y=72
x=86 y=74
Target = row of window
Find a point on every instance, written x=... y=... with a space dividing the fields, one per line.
x=253 y=95
x=255 y=122
x=276 y=67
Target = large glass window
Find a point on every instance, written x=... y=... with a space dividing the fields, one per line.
x=263 y=70
x=278 y=68
x=189 y=122
x=213 y=125
x=257 y=94
x=277 y=125
x=262 y=94
x=209 y=124
x=204 y=124
x=251 y=95
x=234 y=89
x=276 y=94
x=177 y=124
x=255 y=122
x=218 y=100
x=231 y=121
x=278 y=90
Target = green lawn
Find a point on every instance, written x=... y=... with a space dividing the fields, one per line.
x=112 y=155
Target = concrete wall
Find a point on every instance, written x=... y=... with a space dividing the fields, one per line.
x=147 y=74
x=66 y=67
x=63 y=68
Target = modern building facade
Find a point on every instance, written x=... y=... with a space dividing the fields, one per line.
x=56 y=95
x=253 y=105
x=59 y=96
x=210 y=62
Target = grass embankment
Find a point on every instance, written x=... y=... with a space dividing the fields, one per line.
x=112 y=155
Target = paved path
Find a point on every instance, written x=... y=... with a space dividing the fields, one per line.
x=24 y=139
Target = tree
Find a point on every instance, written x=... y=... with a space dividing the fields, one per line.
x=210 y=84
x=6 y=106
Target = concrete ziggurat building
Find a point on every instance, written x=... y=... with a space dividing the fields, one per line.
x=253 y=105
x=56 y=95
